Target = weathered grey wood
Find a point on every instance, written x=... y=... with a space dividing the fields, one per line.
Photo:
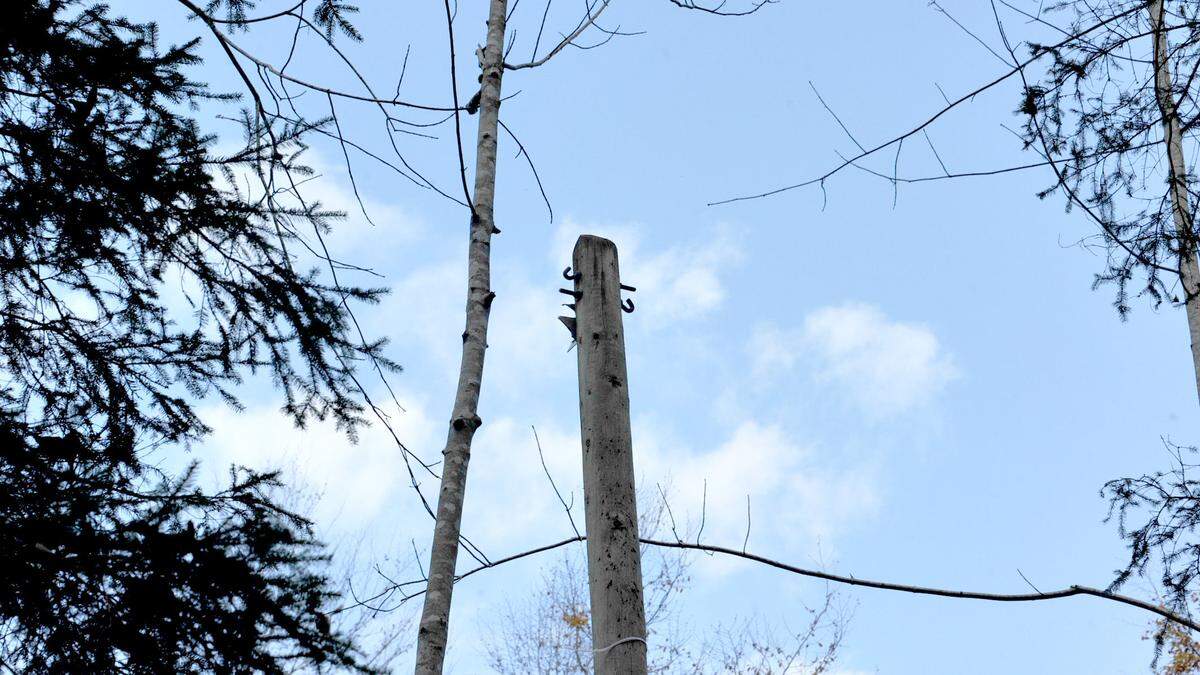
x=464 y=420
x=610 y=503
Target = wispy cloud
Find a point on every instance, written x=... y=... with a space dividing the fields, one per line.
x=354 y=481
x=796 y=497
x=886 y=366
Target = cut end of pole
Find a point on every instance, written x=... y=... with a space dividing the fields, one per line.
x=594 y=242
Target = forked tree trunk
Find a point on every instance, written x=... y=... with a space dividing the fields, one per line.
x=464 y=420
x=1189 y=268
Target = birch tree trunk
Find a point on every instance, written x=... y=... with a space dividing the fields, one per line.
x=464 y=420
x=1189 y=268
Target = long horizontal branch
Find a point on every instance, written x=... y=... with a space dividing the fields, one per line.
x=940 y=592
x=1067 y=592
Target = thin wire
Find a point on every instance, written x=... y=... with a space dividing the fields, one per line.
x=621 y=642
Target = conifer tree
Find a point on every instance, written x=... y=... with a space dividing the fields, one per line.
x=111 y=199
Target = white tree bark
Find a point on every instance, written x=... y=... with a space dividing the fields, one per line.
x=609 y=495
x=464 y=420
x=1189 y=268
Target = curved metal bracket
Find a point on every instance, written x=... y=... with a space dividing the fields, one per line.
x=627 y=306
x=568 y=275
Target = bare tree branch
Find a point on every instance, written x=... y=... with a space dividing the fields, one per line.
x=587 y=21
x=1068 y=592
x=1012 y=72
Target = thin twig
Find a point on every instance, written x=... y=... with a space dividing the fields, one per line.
x=584 y=23
x=462 y=162
x=532 y=168
x=928 y=121
x=549 y=477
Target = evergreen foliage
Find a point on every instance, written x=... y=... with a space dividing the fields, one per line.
x=115 y=213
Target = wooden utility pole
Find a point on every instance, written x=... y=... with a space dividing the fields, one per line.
x=609 y=497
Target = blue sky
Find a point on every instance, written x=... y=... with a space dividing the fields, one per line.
x=927 y=391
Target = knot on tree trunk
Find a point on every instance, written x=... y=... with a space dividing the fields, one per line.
x=469 y=423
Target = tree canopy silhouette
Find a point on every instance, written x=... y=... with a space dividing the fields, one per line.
x=136 y=279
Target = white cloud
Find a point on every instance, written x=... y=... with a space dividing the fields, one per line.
x=423 y=316
x=353 y=481
x=526 y=337
x=356 y=239
x=370 y=235
x=680 y=282
x=510 y=503
x=427 y=304
x=796 y=499
x=886 y=366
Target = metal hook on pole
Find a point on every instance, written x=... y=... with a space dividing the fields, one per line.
x=627 y=305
